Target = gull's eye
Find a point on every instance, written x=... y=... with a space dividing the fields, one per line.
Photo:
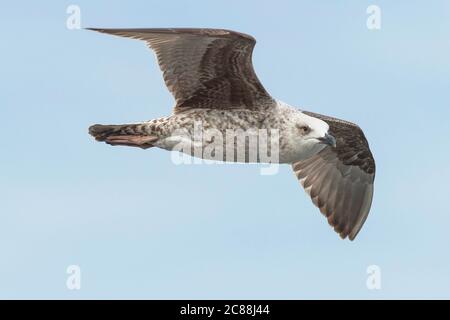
x=304 y=130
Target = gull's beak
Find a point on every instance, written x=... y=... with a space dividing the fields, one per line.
x=328 y=139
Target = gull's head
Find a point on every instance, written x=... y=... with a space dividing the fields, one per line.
x=308 y=136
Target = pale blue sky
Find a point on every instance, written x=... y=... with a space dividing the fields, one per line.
x=141 y=227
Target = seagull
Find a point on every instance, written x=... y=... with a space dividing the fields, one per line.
x=211 y=77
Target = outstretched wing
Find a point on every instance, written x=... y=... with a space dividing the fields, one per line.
x=204 y=68
x=340 y=180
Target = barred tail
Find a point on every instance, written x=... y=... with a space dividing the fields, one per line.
x=100 y=132
x=133 y=135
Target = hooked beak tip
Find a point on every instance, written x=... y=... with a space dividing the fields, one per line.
x=328 y=139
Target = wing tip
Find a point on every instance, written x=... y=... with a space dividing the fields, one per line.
x=367 y=204
x=193 y=31
x=107 y=30
x=355 y=231
x=102 y=30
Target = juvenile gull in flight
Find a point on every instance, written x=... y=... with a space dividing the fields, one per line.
x=210 y=74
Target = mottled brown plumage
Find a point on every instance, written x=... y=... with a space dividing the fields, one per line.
x=352 y=147
x=204 y=68
x=210 y=74
x=340 y=179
